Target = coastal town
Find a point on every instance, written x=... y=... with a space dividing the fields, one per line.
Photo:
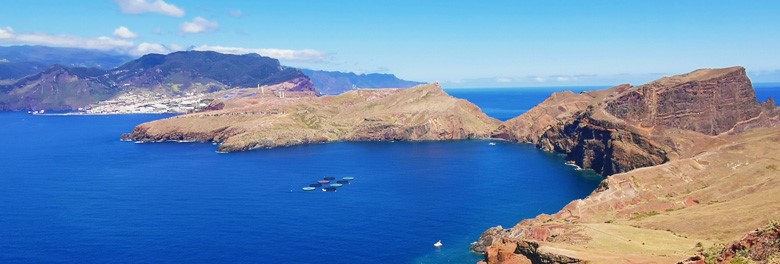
x=146 y=102
x=150 y=103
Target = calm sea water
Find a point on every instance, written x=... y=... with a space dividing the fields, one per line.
x=71 y=192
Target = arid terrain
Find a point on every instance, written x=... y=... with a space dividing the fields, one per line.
x=423 y=112
x=693 y=163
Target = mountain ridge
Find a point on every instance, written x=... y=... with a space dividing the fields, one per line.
x=335 y=82
x=174 y=74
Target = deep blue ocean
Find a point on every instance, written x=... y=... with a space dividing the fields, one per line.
x=71 y=192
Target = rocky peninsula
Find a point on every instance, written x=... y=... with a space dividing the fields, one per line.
x=424 y=112
x=692 y=160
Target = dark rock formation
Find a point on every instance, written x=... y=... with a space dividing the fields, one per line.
x=602 y=146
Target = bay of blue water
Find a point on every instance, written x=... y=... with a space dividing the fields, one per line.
x=506 y=103
x=71 y=192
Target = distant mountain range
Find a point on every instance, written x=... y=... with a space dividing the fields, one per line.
x=50 y=78
x=20 y=61
x=333 y=82
x=68 y=88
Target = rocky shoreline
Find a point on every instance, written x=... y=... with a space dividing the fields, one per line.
x=665 y=144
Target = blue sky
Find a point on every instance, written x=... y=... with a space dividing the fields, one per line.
x=457 y=43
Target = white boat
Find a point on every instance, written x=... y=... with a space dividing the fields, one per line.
x=492 y=143
x=437 y=244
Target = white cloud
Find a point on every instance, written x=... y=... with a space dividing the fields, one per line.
x=539 y=79
x=503 y=80
x=125 y=33
x=149 y=6
x=307 y=55
x=563 y=78
x=146 y=48
x=235 y=13
x=6 y=33
x=9 y=36
x=197 y=25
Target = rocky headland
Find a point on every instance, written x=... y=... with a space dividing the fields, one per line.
x=424 y=112
x=692 y=160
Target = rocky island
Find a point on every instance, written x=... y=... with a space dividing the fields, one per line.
x=424 y=112
x=692 y=160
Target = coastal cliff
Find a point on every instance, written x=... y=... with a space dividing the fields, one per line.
x=424 y=112
x=691 y=164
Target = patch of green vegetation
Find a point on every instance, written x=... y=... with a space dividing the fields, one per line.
x=711 y=254
x=642 y=215
x=773 y=226
x=176 y=88
x=699 y=247
x=742 y=257
x=673 y=209
x=773 y=259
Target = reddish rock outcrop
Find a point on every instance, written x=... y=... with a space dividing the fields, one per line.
x=709 y=101
x=759 y=246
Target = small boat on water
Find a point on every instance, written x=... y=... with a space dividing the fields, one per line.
x=329 y=189
x=342 y=182
x=308 y=189
x=348 y=178
x=315 y=185
x=438 y=244
x=329 y=178
x=323 y=181
x=492 y=143
x=336 y=185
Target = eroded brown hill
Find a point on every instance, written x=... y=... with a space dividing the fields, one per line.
x=423 y=112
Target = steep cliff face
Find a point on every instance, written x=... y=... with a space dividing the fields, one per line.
x=709 y=101
x=602 y=146
x=557 y=108
x=424 y=112
x=622 y=128
x=692 y=163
